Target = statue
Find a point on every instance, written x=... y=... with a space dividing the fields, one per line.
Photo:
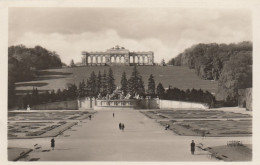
x=107 y=97
x=122 y=96
x=99 y=96
x=128 y=96
x=28 y=108
x=136 y=96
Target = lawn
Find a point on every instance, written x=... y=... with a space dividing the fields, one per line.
x=193 y=114
x=176 y=76
x=55 y=115
x=42 y=124
x=239 y=153
x=211 y=128
x=198 y=122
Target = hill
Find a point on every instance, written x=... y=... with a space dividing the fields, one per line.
x=176 y=76
x=230 y=64
x=23 y=62
x=208 y=60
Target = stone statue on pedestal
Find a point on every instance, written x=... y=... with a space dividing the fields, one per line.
x=28 y=108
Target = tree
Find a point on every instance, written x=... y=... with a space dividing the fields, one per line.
x=151 y=85
x=172 y=62
x=236 y=74
x=193 y=95
x=26 y=100
x=59 y=96
x=92 y=85
x=124 y=83
x=160 y=90
x=187 y=95
x=72 y=63
x=135 y=83
x=110 y=82
x=52 y=96
x=23 y=64
x=82 y=86
x=208 y=60
x=11 y=91
x=72 y=91
x=104 y=84
x=163 y=62
x=140 y=85
x=99 y=83
x=88 y=88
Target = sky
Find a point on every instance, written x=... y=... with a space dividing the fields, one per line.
x=165 y=31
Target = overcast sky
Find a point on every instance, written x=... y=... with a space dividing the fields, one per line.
x=166 y=31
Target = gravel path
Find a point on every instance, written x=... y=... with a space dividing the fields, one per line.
x=100 y=139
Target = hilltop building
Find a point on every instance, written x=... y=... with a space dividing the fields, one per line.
x=117 y=56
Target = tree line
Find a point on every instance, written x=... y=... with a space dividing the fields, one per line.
x=103 y=84
x=208 y=60
x=23 y=64
x=229 y=64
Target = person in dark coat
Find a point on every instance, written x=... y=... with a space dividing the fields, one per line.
x=192 y=147
x=113 y=115
x=52 y=143
x=120 y=126
x=123 y=127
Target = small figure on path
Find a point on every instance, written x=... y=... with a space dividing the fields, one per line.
x=120 y=126
x=113 y=115
x=167 y=127
x=123 y=127
x=89 y=117
x=192 y=147
x=52 y=143
x=203 y=134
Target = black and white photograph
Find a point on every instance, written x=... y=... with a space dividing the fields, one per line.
x=140 y=82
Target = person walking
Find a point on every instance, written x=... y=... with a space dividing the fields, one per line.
x=123 y=127
x=52 y=143
x=120 y=126
x=113 y=115
x=192 y=147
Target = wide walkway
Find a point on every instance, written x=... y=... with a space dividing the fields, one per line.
x=100 y=139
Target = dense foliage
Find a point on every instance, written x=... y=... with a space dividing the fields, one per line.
x=208 y=60
x=160 y=90
x=37 y=57
x=151 y=85
x=230 y=64
x=102 y=84
x=24 y=62
x=135 y=83
x=124 y=84
x=98 y=86
x=193 y=95
x=39 y=98
x=236 y=74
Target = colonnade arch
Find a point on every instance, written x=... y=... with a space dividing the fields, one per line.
x=128 y=59
x=139 y=59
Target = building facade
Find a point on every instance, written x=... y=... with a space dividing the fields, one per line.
x=117 y=56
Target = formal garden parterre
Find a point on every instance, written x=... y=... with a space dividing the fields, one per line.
x=211 y=123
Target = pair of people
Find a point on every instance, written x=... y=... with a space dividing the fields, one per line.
x=121 y=126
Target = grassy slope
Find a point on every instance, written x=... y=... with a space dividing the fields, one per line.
x=176 y=76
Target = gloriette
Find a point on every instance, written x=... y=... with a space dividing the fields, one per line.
x=117 y=56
